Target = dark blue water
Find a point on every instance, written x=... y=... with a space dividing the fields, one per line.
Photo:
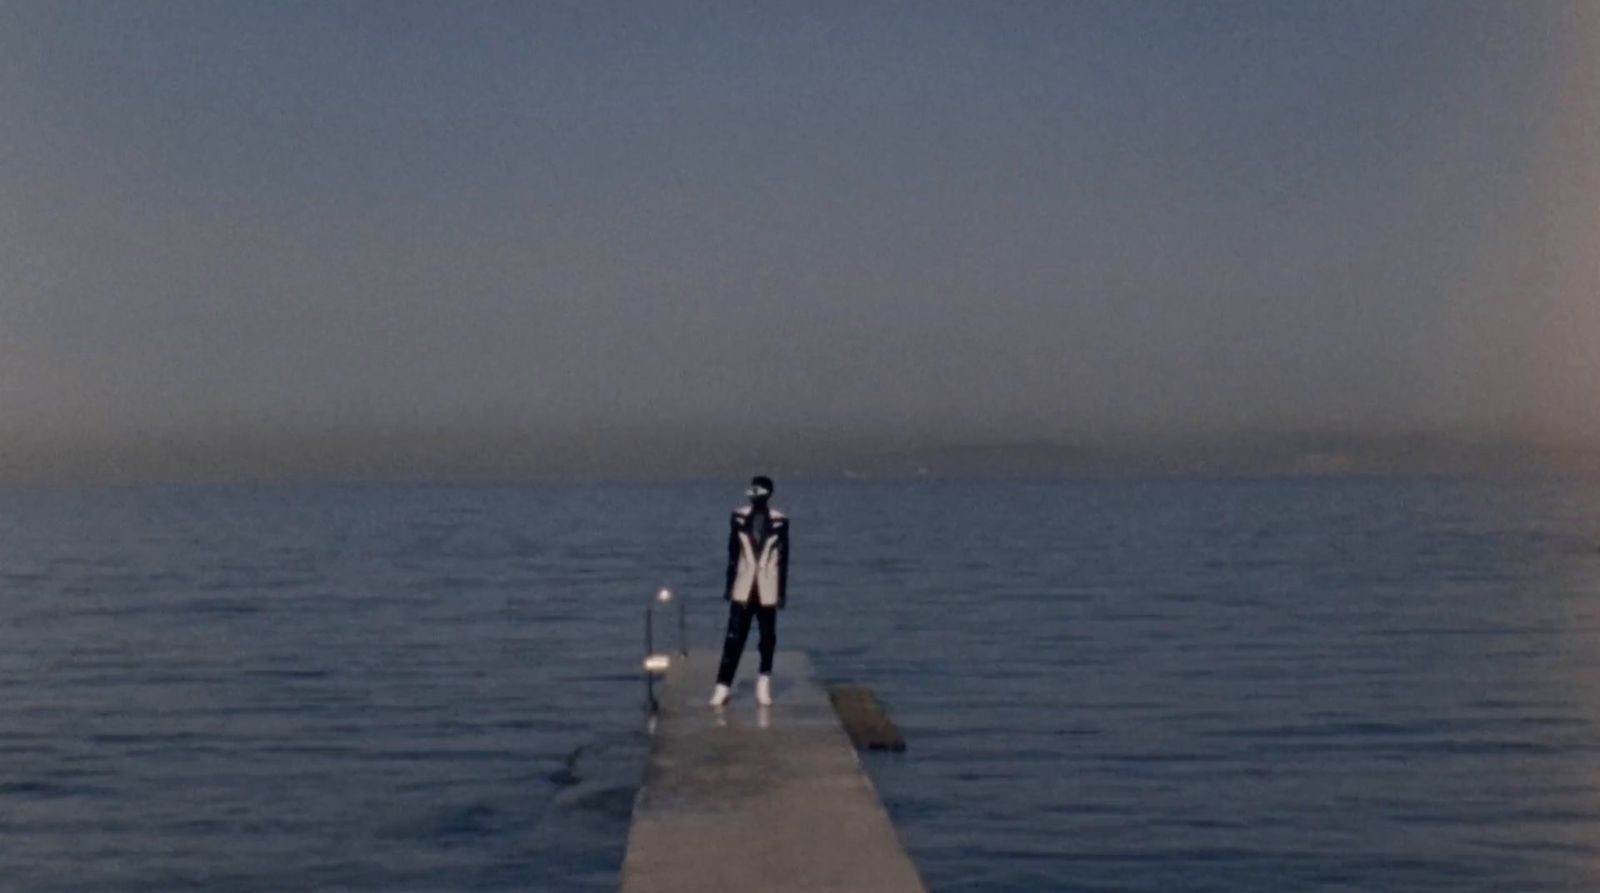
x=1150 y=685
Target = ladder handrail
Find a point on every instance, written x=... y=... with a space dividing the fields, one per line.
x=654 y=663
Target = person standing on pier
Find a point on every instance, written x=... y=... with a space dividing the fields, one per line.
x=756 y=588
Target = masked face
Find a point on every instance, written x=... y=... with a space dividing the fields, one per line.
x=758 y=494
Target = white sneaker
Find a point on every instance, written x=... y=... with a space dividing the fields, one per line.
x=719 y=695
x=764 y=690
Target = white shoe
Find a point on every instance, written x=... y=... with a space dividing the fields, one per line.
x=720 y=694
x=764 y=690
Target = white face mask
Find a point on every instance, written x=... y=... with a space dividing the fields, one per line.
x=758 y=492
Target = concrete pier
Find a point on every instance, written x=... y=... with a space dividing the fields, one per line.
x=758 y=798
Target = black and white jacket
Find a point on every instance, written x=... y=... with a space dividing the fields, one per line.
x=765 y=573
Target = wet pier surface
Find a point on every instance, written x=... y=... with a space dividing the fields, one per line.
x=757 y=798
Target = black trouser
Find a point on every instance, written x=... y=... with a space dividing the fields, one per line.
x=739 y=630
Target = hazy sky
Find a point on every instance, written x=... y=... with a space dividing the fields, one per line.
x=265 y=239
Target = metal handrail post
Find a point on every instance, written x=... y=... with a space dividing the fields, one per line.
x=659 y=663
x=649 y=649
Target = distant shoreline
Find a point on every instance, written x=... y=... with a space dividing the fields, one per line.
x=424 y=460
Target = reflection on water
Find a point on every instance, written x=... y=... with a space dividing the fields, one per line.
x=1309 y=684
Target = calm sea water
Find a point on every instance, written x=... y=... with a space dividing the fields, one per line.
x=1384 y=684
